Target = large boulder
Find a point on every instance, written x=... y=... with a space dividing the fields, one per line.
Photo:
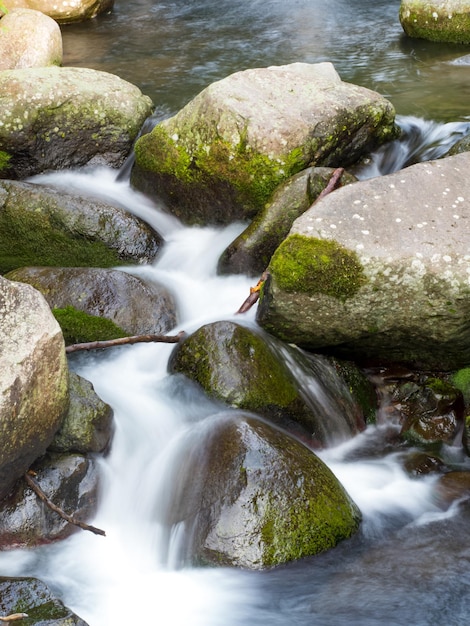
x=138 y=307
x=63 y=12
x=41 y=225
x=56 y=118
x=251 y=496
x=29 y=39
x=380 y=269
x=246 y=370
x=252 y=249
x=33 y=597
x=33 y=379
x=222 y=156
x=436 y=20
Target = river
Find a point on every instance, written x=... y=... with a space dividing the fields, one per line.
x=410 y=563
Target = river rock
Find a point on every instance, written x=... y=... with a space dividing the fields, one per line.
x=253 y=497
x=244 y=369
x=463 y=145
x=251 y=251
x=88 y=423
x=64 y=12
x=29 y=39
x=221 y=157
x=33 y=597
x=55 y=118
x=380 y=269
x=138 y=307
x=41 y=225
x=436 y=20
x=70 y=481
x=33 y=379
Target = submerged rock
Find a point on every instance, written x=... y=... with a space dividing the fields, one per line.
x=136 y=306
x=29 y=39
x=251 y=496
x=33 y=597
x=436 y=20
x=56 y=118
x=223 y=155
x=251 y=251
x=42 y=225
x=70 y=481
x=242 y=368
x=33 y=379
x=379 y=269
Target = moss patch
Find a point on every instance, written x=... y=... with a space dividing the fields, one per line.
x=308 y=265
x=434 y=23
x=79 y=327
x=4 y=160
x=32 y=237
x=252 y=175
x=461 y=380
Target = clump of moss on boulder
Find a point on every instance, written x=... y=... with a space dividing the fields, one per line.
x=79 y=327
x=436 y=20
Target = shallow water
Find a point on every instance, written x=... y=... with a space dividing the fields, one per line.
x=410 y=562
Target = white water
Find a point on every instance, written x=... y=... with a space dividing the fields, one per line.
x=133 y=575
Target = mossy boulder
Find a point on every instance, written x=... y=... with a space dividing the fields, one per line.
x=88 y=424
x=379 y=270
x=57 y=118
x=70 y=481
x=463 y=145
x=29 y=39
x=253 y=497
x=33 y=379
x=33 y=597
x=251 y=252
x=222 y=156
x=133 y=305
x=41 y=225
x=247 y=370
x=436 y=20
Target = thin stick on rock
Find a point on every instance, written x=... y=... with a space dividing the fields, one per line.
x=33 y=485
x=98 y=345
x=13 y=617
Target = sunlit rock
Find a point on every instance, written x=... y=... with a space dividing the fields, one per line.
x=29 y=39
x=63 y=12
x=251 y=496
x=380 y=269
x=55 y=118
x=136 y=306
x=33 y=379
x=42 y=225
x=222 y=156
x=437 y=20
x=246 y=370
x=251 y=251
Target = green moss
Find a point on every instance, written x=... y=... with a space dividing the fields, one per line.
x=461 y=380
x=308 y=265
x=79 y=327
x=425 y=22
x=252 y=175
x=33 y=237
x=4 y=159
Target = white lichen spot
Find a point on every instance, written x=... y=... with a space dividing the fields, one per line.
x=360 y=246
x=460 y=199
x=436 y=258
x=175 y=137
x=357 y=202
x=392 y=186
x=435 y=15
x=447 y=258
x=419 y=255
x=398 y=220
x=356 y=216
x=319 y=219
x=456 y=217
x=333 y=226
x=365 y=232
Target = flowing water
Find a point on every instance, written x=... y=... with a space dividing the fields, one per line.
x=410 y=563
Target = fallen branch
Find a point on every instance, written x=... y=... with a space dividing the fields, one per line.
x=333 y=183
x=98 y=345
x=254 y=294
x=33 y=485
x=13 y=617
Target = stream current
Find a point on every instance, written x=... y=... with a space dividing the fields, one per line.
x=410 y=562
